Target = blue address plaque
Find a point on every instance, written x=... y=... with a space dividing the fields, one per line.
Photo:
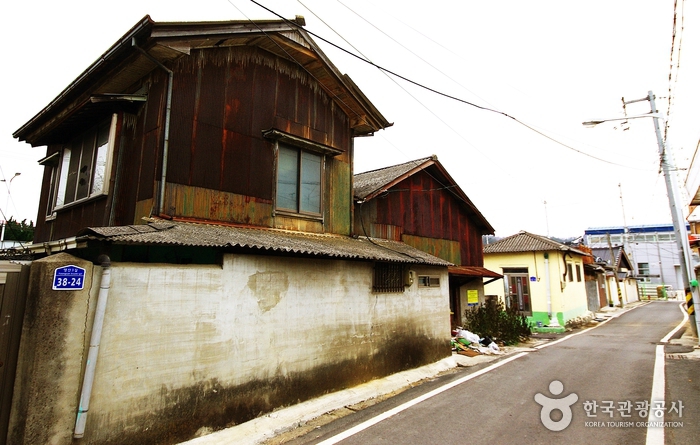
x=68 y=278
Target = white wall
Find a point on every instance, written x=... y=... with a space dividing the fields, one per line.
x=171 y=328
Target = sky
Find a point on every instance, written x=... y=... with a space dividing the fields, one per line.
x=498 y=90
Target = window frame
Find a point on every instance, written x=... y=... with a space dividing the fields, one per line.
x=428 y=281
x=299 y=184
x=61 y=166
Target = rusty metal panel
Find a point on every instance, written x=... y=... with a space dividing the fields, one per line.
x=423 y=208
x=256 y=98
x=127 y=161
x=339 y=179
x=185 y=87
x=205 y=170
x=147 y=168
x=214 y=205
x=448 y=250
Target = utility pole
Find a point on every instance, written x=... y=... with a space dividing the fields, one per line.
x=690 y=283
x=615 y=266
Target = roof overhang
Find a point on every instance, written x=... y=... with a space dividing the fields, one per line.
x=122 y=65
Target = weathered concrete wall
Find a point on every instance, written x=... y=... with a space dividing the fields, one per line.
x=47 y=386
x=186 y=347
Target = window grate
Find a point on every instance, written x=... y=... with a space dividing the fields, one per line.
x=388 y=277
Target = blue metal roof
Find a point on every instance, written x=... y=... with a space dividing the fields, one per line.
x=614 y=230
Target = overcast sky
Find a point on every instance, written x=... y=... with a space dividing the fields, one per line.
x=550 y=64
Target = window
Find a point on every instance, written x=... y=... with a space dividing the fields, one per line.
x=578 y=272
x=570 y=271
x=427 y=281
x=298 y=180
x=643 y=269
x=388 y=277
x=83 y=165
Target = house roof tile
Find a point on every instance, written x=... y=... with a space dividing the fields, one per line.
x=527 y=242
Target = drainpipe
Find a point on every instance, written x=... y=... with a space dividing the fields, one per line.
x=94 y=348
x=548 y=288
x=166 y=138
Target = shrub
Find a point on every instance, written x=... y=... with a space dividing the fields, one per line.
x=506 y=325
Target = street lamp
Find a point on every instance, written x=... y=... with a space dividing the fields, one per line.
x=594 y=123
x=690 y=283
x=7 y=206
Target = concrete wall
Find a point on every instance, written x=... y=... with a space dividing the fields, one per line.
x=190 y=347
x=51 y=355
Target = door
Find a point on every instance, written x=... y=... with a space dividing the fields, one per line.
x=519 y=290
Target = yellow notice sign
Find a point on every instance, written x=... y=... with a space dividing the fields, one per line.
x=472 y=296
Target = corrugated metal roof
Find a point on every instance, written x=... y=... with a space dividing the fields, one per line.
x=528 y=242
x=178 y=233
x=473 y=271
x=372 y=181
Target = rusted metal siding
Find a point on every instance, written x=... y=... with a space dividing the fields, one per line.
x=127 y=165
x=441 y=248
x=423 y=210
x=223 y=99
x=339 y=201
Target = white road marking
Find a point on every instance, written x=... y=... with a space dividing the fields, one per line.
x=655 y=434
x=373 y=421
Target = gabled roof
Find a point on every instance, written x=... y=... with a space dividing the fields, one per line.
x=621 y=259
x=371 y=184
x=527 y=242
x=124 y=63
x=177 y=233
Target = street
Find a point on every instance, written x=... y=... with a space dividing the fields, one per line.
x=592 y=387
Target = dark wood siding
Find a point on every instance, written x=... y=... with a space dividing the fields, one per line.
x=223 y=100
x=420 y=206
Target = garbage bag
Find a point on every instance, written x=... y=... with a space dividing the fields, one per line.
x=463 y=333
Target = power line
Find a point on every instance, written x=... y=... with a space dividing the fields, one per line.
x=440 y=93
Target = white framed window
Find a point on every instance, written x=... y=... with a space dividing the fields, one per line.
x=84 y=165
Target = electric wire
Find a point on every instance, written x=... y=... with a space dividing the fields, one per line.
x=397 y=84
x=301 y=65
x=440 y=93
x=675 y=50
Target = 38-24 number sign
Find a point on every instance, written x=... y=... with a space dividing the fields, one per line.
x=68 y=278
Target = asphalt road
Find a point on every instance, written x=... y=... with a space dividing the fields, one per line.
x=610 y=367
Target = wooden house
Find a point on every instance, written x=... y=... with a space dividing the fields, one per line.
x=198 y=187
x=419 y=203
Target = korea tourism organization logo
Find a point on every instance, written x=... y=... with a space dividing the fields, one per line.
x=606 y=413
x=550 y=404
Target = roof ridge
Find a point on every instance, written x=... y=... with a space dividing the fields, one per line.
x=415 y=161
